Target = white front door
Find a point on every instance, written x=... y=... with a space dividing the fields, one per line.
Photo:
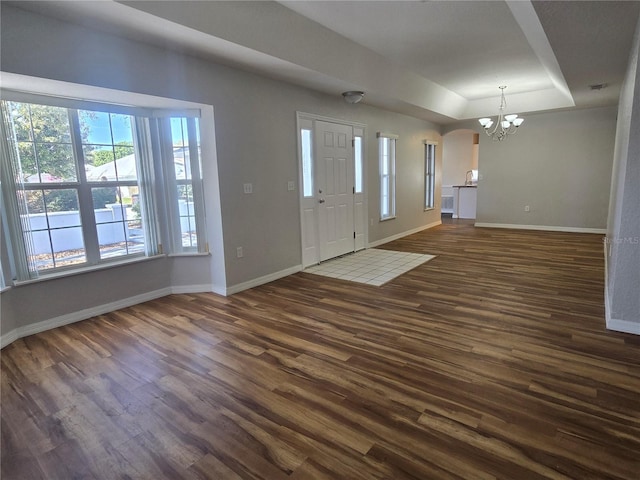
x=332 y=193
x=334 y=173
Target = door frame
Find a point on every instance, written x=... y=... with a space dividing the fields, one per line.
x=304 y=120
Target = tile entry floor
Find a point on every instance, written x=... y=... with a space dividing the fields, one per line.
x=373 y=266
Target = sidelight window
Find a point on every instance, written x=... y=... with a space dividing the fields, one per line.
x=387 y=153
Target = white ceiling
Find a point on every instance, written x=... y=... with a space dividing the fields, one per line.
x=438 y=60
x=447 y=42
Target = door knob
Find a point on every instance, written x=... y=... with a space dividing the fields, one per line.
x=321 y=200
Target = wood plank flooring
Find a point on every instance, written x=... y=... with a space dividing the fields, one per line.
x=491 y=361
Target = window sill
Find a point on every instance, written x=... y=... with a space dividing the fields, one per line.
x=189 y=254
x=4 y=289
x=82 y=270
x=387 y=218
x=428 y=209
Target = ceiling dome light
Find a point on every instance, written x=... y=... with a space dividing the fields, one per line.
x=353 y=96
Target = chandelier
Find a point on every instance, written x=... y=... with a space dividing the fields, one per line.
x=504 y=124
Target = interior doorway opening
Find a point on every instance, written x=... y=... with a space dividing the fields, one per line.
x=460 y=153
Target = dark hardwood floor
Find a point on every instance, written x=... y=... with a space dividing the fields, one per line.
x=491 y=361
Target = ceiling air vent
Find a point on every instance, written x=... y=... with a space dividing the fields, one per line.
x=597 y=86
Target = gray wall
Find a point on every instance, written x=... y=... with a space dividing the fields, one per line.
x=44 y=300
x=623 y=230
x=410 y=192
x=558 y=163
x=255 y=120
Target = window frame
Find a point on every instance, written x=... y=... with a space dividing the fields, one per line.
x=5 y=258
x=358 y=167
x=306 y=154
x=387 y=146
x=194 y=179
x=430 y=149
x=83 y=187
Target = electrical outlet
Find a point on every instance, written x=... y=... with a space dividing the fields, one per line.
x=239 y=252
x=248 y=188
x=527 y=208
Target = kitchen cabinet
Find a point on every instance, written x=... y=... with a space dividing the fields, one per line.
x=464 y=201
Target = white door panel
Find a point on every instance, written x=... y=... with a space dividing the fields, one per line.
x=335 y=189
x=309 y=224
x=359 y=226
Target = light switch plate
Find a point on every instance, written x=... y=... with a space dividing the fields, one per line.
x=248 y=188
x=291 y=186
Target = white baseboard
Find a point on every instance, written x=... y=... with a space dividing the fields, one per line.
x=86 y=313
x=262 y=280
x=204 y=288
x=8 y=338
x=549 y=228
x=403 y=234
x=217 y=289
x=192 y=288
x=73 y=317
x=624 y=326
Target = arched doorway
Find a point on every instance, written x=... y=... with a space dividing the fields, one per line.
x=459 y=173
